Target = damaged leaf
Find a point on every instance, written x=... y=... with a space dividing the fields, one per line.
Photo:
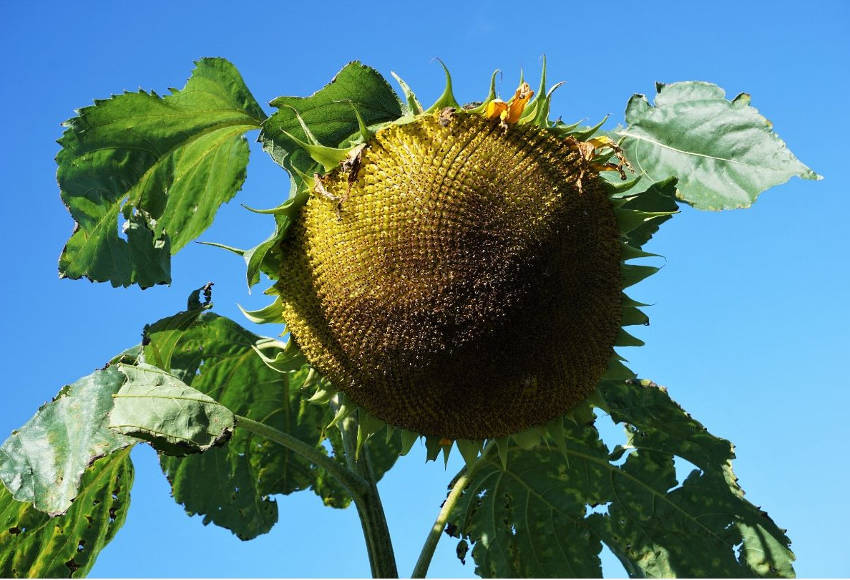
x=43 y=461
x=157 y=168
x=34 y=545
x=547 y=512
x=175 y=418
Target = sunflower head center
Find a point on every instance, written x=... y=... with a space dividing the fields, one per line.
x=454 y=280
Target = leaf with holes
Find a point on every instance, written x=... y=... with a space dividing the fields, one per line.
x=529 y=518
x=43 y=461
x=34 y=545
x=541 y=516
x=723 y=152
x=703 y=527
x=163 y=164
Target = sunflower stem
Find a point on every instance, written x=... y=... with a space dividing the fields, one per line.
x=369 y=507
x=459 y=483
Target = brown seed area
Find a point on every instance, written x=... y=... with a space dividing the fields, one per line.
x=465 y=288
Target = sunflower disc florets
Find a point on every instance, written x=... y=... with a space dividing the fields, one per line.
x=459 y=275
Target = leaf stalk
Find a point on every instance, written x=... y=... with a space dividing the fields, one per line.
x=356 y=485
x=459 y=483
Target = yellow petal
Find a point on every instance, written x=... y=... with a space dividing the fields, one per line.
x=495 y=108
x=600 y=141
x=517 y=104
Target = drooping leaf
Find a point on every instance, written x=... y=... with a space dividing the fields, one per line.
x=548 y=510
x=43 y=461
x=34 y=545
x=704 y=527
x=230 y=485
x=160 y=408
x=329 y=113
x=163 y=164
x=723 y=152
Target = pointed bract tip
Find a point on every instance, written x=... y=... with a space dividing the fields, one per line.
x=447 y=99
x=413 y=105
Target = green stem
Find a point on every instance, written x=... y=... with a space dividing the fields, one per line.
x=356 y=485
x=369 y=507
x=461 y=480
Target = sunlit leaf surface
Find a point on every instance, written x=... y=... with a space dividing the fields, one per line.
x=723 y=152
x=142 y=175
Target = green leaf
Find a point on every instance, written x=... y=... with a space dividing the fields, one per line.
x=34 y=545
x=169 y=331
x=175 y=418
x=528 y=519
x=546 y=515
x=265 y=256
x=43 y=461
x=723 y=152
x=230 y=485
x=704 y=527
x=164 y=164
x=328 y=113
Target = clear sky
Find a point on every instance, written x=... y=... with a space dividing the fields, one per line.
x=749 y=314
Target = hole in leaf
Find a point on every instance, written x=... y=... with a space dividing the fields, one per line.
x=598 y=508
x=461 y=550
x=81 y=545
x=611 y=433
x=683 y=469
x=15 y=530
x=611 y=565
x=739 y=551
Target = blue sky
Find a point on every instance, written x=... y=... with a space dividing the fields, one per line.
x=749 y=314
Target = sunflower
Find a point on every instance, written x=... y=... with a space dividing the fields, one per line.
x=458 y=272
